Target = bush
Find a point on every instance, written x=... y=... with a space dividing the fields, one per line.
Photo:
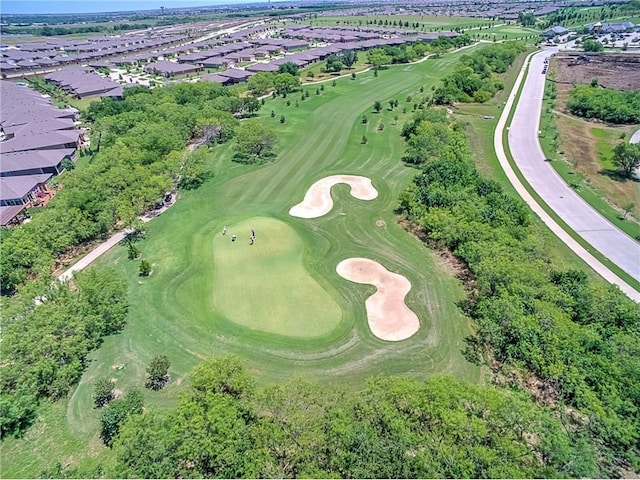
x=103 y=392
x=145 y=268
x=158 y=372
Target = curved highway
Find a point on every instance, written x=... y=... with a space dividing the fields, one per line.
x=575 y=212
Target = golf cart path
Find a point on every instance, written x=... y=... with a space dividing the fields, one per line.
x=530 y=160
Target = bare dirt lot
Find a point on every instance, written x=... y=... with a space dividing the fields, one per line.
x=621 y=71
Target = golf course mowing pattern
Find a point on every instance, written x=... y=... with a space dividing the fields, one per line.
x=264 y=285
x=317 y=201
x=173 y=311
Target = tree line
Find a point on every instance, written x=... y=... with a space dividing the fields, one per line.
x=47 y=332
x=137 y=150
x=606 y=104
x=476 y=77
x=579 y=339
x=224 y=426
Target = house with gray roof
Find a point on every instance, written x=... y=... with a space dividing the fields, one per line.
x=22 y=190
x=35 y=139
x=236 y=75
x=35 y=162
x=169 y=69
x=611 y=27
x=556 y=31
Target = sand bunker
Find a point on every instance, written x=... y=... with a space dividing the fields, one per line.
x=388 y=315
x=317 y=202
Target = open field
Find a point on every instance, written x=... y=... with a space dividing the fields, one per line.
x=177 y=311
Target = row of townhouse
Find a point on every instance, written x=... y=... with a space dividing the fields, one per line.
x=36 y=139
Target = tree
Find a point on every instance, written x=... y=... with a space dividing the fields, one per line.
x=349 y=57
x=103 y=392
x=225 y=376
x=285 y=83
x=590 y=45
x=364 y=140
x=145 y=268
x=334 y=64
x=289 y=67
x=377 y=106
x=117 y=411
x=626 y=156
x=254 y=141
x=377 y=57
x=68 y=164
x=158 y=372
x=260 y=83
x=282 y=119
x=353 y=75
x=250 y=105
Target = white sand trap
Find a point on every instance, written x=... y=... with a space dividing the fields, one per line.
x=318 y=202
x=388 y=315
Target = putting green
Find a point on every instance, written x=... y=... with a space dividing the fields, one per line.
x=264 y=286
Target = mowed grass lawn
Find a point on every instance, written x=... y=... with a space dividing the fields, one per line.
x=208 y=297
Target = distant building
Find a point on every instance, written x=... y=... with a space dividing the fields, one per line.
x=607 y=27
x=556 y=31
x=35 y=139
x=169 y=69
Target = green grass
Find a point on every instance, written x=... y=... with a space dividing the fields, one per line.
x=50 y=440
x=83 y=103
x=178 y=311
x=269 y=274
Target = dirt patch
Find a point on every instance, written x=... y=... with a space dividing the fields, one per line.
x=380 y=223
x=620 y=71
x=117 y=393
x=389 y=317
x=318 y=202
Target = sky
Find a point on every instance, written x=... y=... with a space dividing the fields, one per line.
x=92 y=6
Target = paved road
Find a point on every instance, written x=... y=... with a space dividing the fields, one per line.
x=614 y=244
x=635 y=138
x=529 y=125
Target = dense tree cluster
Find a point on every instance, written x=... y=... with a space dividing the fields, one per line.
x=392 y=54
x=282 y=83
x=592 y=45
x=475 y=77
x=580 y=338
x=45 y=341
x=225 y=427
x=606 y=104
x=138 y=144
